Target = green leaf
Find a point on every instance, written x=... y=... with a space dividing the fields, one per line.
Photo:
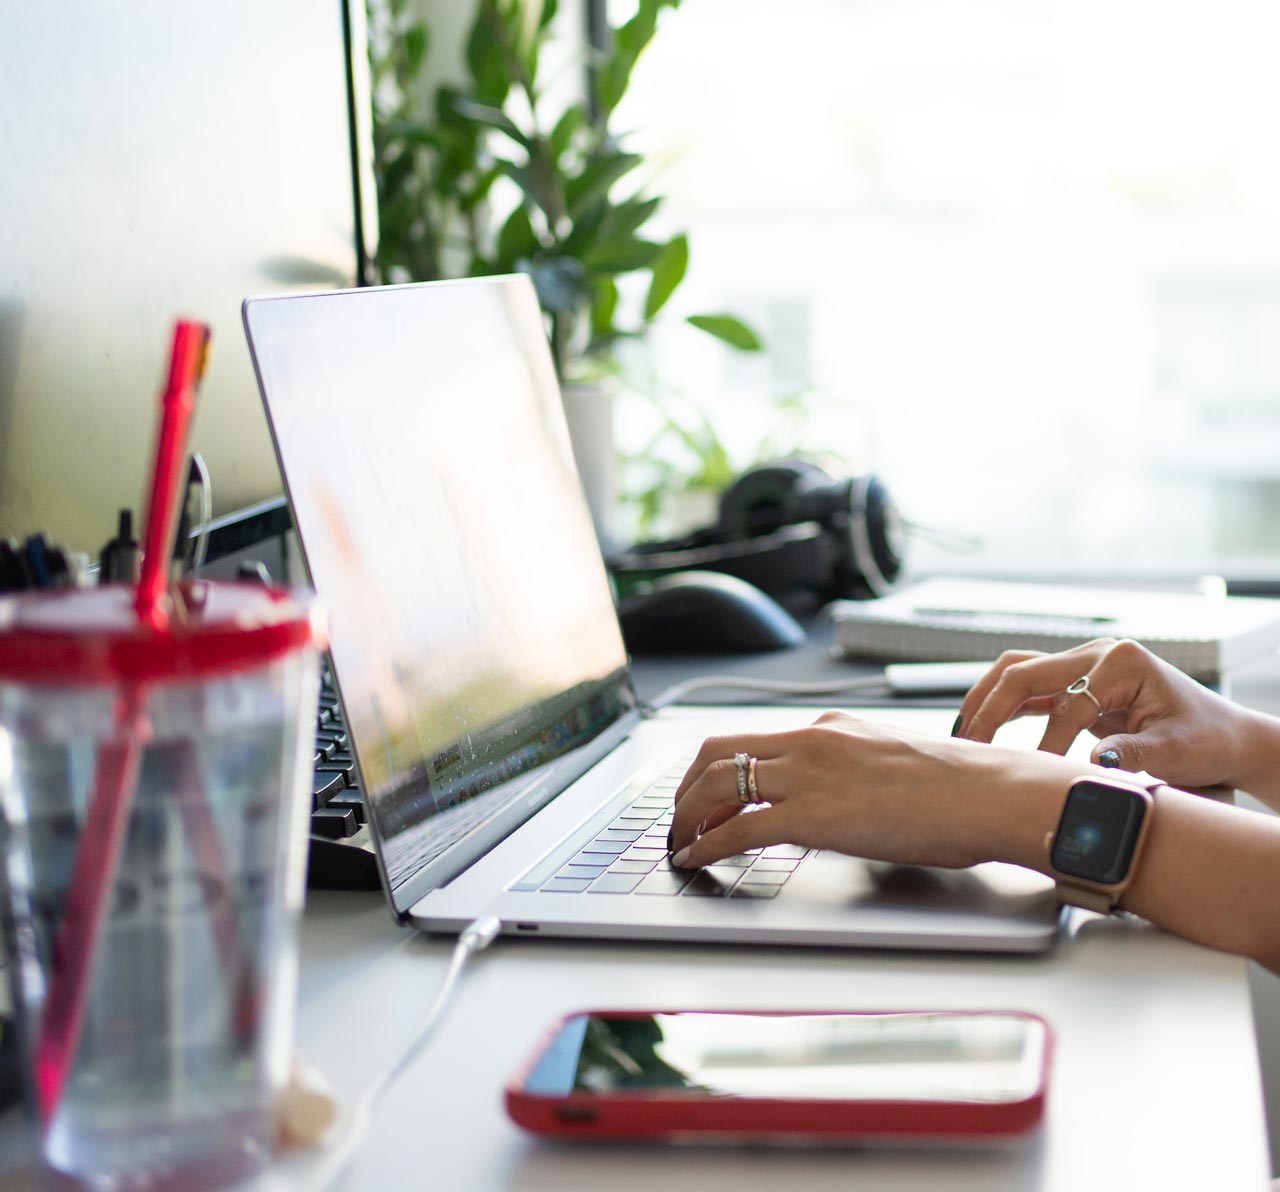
x=600 y=173
x=548 y=14
x=490 y=117
x=631 y=214
x=562 y=135
x=624 y=254
x=732 y=331
x=517 y=239
x=415 y=43
x=668 y=272
x=604 y=302
x=614 y=74
x=485 y=60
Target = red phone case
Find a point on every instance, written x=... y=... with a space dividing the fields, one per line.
x=678 y=1114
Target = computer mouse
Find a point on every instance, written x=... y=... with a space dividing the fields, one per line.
x=706 y=612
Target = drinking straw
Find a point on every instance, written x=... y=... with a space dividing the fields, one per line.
x=116 y=772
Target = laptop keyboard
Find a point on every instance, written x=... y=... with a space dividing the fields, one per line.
x=341 y=852
x=629 y=856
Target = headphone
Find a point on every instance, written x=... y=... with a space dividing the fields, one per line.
x=793 y=530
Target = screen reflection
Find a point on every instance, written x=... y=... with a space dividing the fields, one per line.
x=473 y=630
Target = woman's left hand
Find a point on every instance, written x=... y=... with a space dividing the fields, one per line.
x=863 y=788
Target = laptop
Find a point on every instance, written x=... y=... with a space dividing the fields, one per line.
x=507 y=765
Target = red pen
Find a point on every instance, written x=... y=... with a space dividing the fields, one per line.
x=116 y=770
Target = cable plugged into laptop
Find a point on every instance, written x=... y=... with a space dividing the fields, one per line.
x=299 y=1117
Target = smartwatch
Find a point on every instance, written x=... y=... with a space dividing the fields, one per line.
x=1095 y=851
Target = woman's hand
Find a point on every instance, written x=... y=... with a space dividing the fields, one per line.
x=867 y=789
x=1146 y=714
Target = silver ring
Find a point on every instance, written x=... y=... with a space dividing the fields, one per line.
x=740 y=760
x=1081 y=687
x=753 y=791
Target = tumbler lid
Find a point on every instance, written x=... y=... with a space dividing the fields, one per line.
x=85 y=636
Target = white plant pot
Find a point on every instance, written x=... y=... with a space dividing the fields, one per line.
x=589 y=411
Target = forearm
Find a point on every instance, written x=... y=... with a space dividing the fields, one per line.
x=1209 y=871
x=1259 y=769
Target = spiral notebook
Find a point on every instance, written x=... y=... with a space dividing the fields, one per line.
x=957 y=620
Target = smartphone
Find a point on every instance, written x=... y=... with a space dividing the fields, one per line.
x=683 y=1075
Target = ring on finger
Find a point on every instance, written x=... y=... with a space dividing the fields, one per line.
x=741 y=761
x=1081 y=687
x=753 y=791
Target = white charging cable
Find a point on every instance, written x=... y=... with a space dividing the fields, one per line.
x=474 y=939
x=778 y=687
x=898 y=678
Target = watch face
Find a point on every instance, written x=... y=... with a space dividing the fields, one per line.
x=1098 y=832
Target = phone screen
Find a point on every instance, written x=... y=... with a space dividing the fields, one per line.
x=986 y=1056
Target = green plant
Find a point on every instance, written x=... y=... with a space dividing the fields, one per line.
x=686 y=454
x=497 y=176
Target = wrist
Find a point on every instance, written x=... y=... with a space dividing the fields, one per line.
x=1258 y=753
x=1021 y=802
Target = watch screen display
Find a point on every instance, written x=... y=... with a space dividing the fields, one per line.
x=1098 y=832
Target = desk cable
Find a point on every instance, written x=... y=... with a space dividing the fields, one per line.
x=909 y=680
x=779 y=687
x=478 y=936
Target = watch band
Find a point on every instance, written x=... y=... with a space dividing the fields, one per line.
x=1088 y=898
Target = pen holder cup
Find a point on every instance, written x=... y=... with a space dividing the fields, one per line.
x=155 y=789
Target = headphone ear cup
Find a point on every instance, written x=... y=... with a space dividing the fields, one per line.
x=768 y=496
x=791 y=529
x=872 y=534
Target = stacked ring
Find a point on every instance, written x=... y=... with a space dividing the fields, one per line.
x=753 y=791
x=740 y=760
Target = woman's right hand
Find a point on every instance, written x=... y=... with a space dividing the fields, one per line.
x=1146 y=714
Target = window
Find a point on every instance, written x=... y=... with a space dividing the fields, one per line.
x=1021 y=258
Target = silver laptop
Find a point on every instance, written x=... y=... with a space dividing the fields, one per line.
x=507 y=765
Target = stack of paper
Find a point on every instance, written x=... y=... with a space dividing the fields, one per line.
x=961 y=619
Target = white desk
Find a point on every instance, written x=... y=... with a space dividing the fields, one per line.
x=1155 y=1082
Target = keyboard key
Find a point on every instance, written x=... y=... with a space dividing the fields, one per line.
x=746 y=889
x=786 y=851
x=326 y=784
x=607 y=848
x=665 y=881
x=769 y=863
x=633 y=823
x=768 y=877
x=738 y=862
x=622 y=865
x=626 y=836
x=335 y=823
x=708 y=884
x=637 y=853
x=615 y=883
x=589 y=872
x=352 y=799
x=565 y=885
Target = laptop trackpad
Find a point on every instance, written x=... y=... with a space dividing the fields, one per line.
x=832 y=879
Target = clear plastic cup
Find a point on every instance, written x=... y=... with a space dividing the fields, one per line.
x=155 y=987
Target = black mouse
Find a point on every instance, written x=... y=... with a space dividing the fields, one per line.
x=706 y=612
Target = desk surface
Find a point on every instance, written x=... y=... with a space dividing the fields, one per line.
x=1155 y=1081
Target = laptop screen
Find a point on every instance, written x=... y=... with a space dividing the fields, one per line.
x=472 y=628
